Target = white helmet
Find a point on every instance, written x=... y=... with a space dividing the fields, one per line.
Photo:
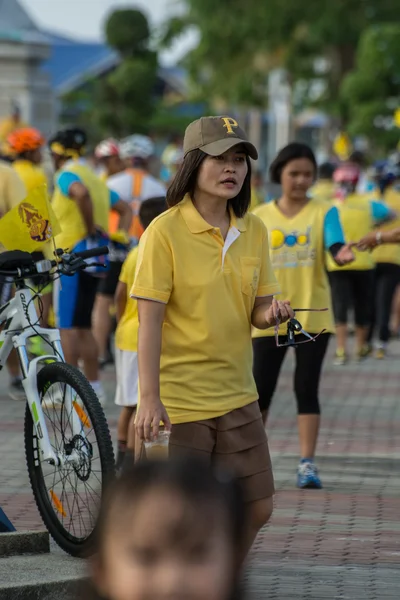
x=136 y=146
x=107 y=148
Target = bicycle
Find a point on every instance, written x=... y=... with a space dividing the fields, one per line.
x=67 y=441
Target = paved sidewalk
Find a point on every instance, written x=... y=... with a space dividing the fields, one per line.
x=342 y=542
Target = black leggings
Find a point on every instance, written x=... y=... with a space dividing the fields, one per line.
x=268 y=359
x=387 y=277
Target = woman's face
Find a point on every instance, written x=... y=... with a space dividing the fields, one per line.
x=297 y=177
x=223 y=176
x=163 y=550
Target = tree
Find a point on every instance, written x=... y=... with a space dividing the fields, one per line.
x=371 y=92
x=123 y=101
x=239 y=42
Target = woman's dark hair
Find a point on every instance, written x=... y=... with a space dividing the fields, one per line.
x=150 y=209
x=185 y=183
x=195 y=481
x=290 y=152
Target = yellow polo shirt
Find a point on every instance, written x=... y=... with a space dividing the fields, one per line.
x=127 y=330
x=390 y=253
x=209 y=287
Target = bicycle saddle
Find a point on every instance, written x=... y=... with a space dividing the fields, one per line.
x=15 y=259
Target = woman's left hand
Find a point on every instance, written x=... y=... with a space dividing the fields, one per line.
x=345 y=255
x=279 y=311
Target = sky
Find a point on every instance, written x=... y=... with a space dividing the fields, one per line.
x=84 y=18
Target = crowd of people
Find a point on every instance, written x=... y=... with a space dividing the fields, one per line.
x=204 y=280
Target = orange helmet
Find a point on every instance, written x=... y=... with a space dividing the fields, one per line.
x=25 y=140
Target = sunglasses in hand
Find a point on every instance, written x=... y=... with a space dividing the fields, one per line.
x=294 y=326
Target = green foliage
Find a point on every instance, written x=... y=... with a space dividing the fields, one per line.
x=372 y=89
x=128 y=32
x=239 y=43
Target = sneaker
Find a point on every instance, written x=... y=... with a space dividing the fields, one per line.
x=363 y=353
x=340 y=358
x=16 y=390
x=307 y=476
x=102 y=396
x=380 y=353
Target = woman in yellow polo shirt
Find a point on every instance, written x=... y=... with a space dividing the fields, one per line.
x=203 y=279
x=300 y=229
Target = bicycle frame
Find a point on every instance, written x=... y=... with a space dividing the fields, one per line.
x=18 y=314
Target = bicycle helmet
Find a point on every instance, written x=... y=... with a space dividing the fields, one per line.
x=68 y=142
x=107 y=148
x=347 y=174
x=136 y=146
x=385 y=173
x=26 y=139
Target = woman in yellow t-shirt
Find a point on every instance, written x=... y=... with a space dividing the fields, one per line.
x=203 y=278
x=300 y=230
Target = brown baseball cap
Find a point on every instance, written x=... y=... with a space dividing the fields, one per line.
x=216 y=135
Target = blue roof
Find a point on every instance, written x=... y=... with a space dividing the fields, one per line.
x=70 y=59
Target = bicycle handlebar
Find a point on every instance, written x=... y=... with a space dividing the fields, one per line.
x=68 y=263
x=93 y=252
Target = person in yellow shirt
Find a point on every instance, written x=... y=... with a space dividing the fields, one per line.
x=353 y=285
x=7 y=126
x=387 y=258
x=12 y=192
x=300 y=229
x=81 y=203
x=26 y=145
x=203 y=278
x=324 y=188
x=126 y=334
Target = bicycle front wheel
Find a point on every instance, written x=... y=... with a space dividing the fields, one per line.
x=68 y=496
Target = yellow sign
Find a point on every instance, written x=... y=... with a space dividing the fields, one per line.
x=342 y=146
x=397 y=117
x=30 y=224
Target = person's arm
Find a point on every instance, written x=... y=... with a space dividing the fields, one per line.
x=71 y=185
x=152 y=289
x=373 y=239
x=123 y=209
x=381 y=213
x=120 y=300
x=334 y=240
x=151 y=410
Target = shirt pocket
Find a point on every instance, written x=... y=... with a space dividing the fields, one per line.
x=250 y=275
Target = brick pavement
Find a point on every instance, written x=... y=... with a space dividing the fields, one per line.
x=342 y=542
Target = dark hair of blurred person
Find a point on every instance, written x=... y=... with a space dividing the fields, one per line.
x=326 y=171
x=150 y=209
x=169 y=530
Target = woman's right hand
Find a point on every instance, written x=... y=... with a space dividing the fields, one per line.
x=150 y=412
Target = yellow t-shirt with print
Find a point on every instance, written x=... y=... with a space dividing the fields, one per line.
x=389 y=253
x=32 y=175
x=209 y=286
x=356 y=217
x=67 y=212
x=298 y=259
x=127 y=330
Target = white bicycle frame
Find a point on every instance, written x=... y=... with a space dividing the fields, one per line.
x=18 y=314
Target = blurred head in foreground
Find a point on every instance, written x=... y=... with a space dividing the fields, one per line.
x=169 y=530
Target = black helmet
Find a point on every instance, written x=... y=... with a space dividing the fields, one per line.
x=68 y=142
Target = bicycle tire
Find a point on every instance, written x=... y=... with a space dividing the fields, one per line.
x=63 y=373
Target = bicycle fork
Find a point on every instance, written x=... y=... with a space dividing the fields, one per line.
x=29 y=371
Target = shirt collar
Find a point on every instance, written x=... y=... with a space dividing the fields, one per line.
x=75 y=161
x=196 y=223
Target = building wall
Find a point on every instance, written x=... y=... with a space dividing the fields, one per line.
x=22 y=81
